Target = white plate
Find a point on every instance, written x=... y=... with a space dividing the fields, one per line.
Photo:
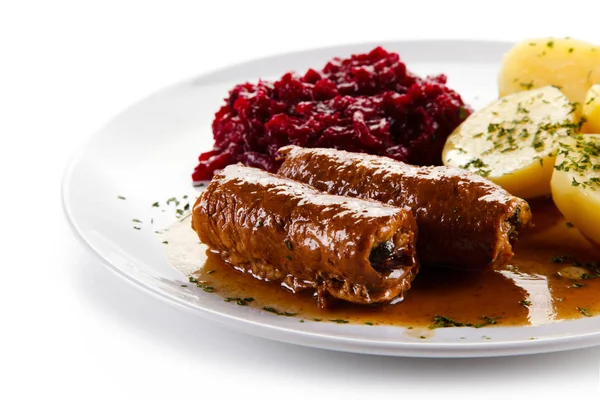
x=148 y=152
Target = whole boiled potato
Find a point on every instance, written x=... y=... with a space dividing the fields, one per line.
x=571 y=65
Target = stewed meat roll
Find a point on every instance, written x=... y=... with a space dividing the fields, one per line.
x=464 y=220
x=281 y=230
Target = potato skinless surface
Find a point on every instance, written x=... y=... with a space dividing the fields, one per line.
x=280 y=230
x=465 y=221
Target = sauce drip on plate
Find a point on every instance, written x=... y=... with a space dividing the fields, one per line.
x=543 y=283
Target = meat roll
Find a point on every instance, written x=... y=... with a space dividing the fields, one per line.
x=281 y=230
x=464 y=220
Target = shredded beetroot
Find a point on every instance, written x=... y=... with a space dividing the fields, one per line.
x=367 y=103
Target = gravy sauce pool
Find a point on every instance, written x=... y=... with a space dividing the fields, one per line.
x=543 y=283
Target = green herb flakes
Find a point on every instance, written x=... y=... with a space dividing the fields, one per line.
x=440 y=321
x=275 y=311
x=173 y=200
x=239 y=301
x=584 y=311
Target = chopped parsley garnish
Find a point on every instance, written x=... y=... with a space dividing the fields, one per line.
x=239 y=300
x=560 y=259
x=479 y=166
x=165 y=242
x=462 y=112
x=594 y=266
x=584 y=311
x=550 y=44
x=525 y=303
x=440 y=321
x=490 y=320
x=155 y=204
x=339 y=321
x=275 y=311
x=288 y=244
x=201 y=285
x=526 y=85
x=137 y=228
x=206 y=288
x=593 y=275
x=368 y=323
x=136 y=221
x=521 y=109
x=173 y=200
x=121 y=198
x=582 y=159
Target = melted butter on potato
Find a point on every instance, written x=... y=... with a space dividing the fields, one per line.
x=591 y=110
x=576 y=183
x=572 y=65
x=513 y=141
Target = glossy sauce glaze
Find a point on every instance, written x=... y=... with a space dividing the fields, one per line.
x=284 y=231
x=536 y=288
x=464 y=220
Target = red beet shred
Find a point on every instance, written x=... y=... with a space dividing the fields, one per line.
x=366 y=103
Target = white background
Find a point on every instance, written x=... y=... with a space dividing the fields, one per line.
x=71 y=329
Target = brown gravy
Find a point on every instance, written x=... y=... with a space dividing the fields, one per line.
x=532 y=290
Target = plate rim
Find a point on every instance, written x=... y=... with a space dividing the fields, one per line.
x=284 y=334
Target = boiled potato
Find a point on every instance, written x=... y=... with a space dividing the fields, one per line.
x=576 y=183
x=591 y=110
x=513 y=141
x=571 y=65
